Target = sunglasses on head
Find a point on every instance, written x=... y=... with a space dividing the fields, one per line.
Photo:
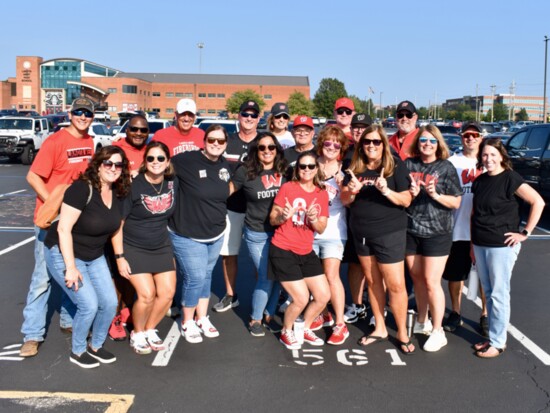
x=424 y=139
x=473 y=135
x=159 y=158
x=80 y=112
x=212 y=141
x=136 y=129
x=401 y=115
x=375 y=142
x=271 y=147
x=249 y=115
x=310 y=166
x=328 y=144
x=109 y=164
x=341 y=111
x=282 y=115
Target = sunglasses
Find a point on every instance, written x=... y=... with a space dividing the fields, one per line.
x=282 y=116
x=262 y=148
x=341 y=111
x=109 y=164
x=212 y=141
x=403 y=114
x=249 y=115
x=135 y=129
x=303 y=131
x=329 y=144
x=472 y=135
x=80 y=112
x=159 y=158
x=375 y=142
x=424 y=139
x=310 y=166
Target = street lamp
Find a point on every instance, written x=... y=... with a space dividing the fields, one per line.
x=381 y=107
x=545 y=64
x=200 y=46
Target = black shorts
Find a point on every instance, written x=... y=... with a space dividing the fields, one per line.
x=436 y=246
x=459 y=262
x=143 y=261
x=350 y=254
x=287 y=266
x=387 y=248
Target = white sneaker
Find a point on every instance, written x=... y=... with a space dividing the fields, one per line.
x=372 y=321
x=191 y=332
x=139 y=343
x=155 y=342
x=423 y=328
x=436 y=341
x=207 y=328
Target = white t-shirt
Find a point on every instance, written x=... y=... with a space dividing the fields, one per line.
x=286 y=140
x=467 y=173
x=336 y=225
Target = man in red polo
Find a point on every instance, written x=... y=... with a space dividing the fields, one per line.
x=182 y=137
x=402 y=140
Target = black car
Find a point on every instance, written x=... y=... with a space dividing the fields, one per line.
x=8 y=112
x=453 y=141
x=28 y=113
x=449 y=129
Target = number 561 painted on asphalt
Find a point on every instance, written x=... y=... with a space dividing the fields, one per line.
x=354 y=357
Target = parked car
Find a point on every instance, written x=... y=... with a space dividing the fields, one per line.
x=523 y=123
x=154 y=125
x=21 y=137
x=231 y=126
x=57 y=118
x=152 y=115
x=453 y=141
x=98 y=131
x=28 y=113
x=488 y=128
x=530 y=154
x=503 y=136
x=102 y=116
x=8 y=112
x=389 y=123
x=449 y=129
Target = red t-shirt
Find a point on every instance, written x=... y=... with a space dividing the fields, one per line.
x=403 y=149
x=295 y=234
x=134 y=155
x=61 y=159
x=178 y=142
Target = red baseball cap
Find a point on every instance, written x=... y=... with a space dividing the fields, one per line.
x=344 y=103
x=302 y=120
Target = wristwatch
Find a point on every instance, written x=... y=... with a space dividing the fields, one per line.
x=525 y=232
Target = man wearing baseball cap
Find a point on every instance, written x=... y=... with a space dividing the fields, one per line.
x=344 y=109
x=182 y=137
x=303 y=133
x=402 y=140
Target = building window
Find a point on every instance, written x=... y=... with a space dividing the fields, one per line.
x=156 y=94
x=202 y=111
x=169 y=110
x=221 y=95
x=212 y=111
x=169 y=94
x=156 y=110
x=211 y=95
x=179 y=94
x=202 y=95
x=91 y=68
x=187 y=95
x=111 y=90
x=112 y=109
x=268 y=97
x=14 y=89
x=129 y=89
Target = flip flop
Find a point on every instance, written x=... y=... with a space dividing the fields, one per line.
x=406 y=345
x=376 y=339
x=487 y=354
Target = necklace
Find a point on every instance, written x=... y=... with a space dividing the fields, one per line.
x=158 y=191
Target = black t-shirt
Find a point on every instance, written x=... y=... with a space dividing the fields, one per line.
x=94 y=226
x=496 y=208
x=146 y=213
x=203 y=188
x=373 y=214
x=428 y=217
x=259 y=193
x=235 y=154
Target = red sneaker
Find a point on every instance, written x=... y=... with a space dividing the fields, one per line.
x=328 y=321
x=317 y=323
x=339 y=334
x=117 y=331
x=125 y=315
x=289 y=341
x=311 y=338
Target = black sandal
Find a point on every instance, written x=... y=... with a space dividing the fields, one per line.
x=407 y=345
x=376 y=339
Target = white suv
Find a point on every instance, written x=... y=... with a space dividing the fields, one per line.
x=102 y=116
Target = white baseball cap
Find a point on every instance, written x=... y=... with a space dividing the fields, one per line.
x=186 y=105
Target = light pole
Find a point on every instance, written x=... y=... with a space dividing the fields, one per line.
x=381 y=107
x=200 y=46
x=545 y=64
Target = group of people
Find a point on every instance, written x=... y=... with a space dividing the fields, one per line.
x=159 y=215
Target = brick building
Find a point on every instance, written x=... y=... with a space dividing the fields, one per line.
x=50 y=86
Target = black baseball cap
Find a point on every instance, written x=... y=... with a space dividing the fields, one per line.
x=471 y=125
x=406 y=105
x=250 y=105
x=361 y=119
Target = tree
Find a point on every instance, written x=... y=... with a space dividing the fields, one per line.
x=501 y=112
x=234 y=103
x=329 y=90
x=522 y=115
x=299 y=104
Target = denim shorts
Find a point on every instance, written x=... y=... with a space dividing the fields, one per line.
x=329 y=248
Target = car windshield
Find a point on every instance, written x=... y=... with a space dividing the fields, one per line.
x=453 y=140
x=25 y=124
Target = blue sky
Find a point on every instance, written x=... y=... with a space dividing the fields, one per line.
x=424 y=51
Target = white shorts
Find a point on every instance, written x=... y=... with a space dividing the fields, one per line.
x=233 y=234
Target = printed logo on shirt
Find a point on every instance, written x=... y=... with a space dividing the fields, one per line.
x=224 y=175
x=469 y=175
x=270 y=181
x=76 y=155
x=422 y=179
x=367 y=180
x=202 y=173
x=332 y=193
x=184 y=147
x=158 y=204
x=300 y=209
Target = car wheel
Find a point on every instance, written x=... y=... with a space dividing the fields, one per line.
x=27 y=157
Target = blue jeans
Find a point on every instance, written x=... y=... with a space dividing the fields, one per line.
x=36 y=308
x=196 y=261
x=266 y=292
x=494 y=266
x=96 y=300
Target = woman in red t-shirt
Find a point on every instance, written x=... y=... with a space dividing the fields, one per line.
x=300 y=209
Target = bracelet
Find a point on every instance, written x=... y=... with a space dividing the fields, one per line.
x=117 y=256
x=386 y=193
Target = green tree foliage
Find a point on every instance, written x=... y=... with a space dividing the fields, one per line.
x=329 y=90
x=501 y=112
x=239 y=97
x=522 y=115
x=299 y=104
x=422 y=112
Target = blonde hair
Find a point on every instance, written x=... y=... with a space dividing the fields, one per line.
x=359 y=160
x=442 y=151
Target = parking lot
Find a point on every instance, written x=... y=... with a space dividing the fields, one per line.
x=237 y=372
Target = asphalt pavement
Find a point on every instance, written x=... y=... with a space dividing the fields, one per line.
x=237 y=372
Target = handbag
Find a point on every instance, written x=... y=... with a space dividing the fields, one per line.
x=49 y=211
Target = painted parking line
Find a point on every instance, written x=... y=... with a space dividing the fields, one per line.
x=13 y=193
x=163 y=357
x=539 y=353
x=19 y=244
x=118 y=403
